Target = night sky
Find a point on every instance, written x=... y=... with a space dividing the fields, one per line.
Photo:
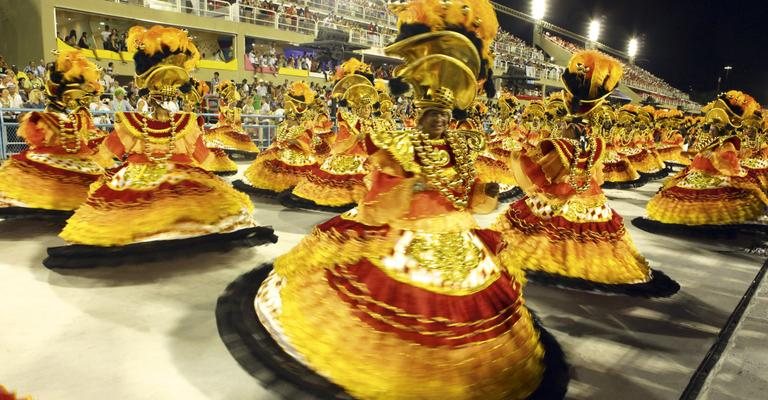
x=687 y=43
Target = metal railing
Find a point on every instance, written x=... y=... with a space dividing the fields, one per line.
x=261 y=128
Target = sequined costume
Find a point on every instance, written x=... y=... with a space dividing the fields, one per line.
x=301 y=138
x=337 y=183
x=55 y=172
x=402 y=297
x=218 y=162
x=228 y=133
x=159 y=191
x=492 y=165
x=618 y=171
x=670 y=145
x=638 y=144
x=563 y=231
x=714 y=189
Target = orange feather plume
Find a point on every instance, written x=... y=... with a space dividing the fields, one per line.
x=74 y=67
x=155 y=39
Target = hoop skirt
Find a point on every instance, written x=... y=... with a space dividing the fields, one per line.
x=401 y=298
x=339 y=180
x=618 y=171
x=569 y=237
x=57 y=169
x=228 y=134
x=713 y=190
x=283 y=163
x=159 y=198
x=670 y=150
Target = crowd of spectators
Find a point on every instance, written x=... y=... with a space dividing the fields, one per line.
x=637 y=78
x=512 y=53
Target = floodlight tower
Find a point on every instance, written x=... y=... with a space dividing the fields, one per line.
x=593 y=33
x=538 y=11
x=632 y=48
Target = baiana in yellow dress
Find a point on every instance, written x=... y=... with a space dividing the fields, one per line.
x=51 y=178
x=492 y=165
x=337 y=183
x=158 y=201
x=300 y=140
x=715 y=192
x=402 y=297
x=563 y=231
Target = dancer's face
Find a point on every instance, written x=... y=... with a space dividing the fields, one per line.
x=435 y=122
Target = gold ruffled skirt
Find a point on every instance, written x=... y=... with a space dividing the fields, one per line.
x=46 y=181
x=599 y=251
x=143 y=202
x=342 y=303
x=698 y=198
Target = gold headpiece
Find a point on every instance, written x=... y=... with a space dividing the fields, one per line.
x=228 y=91
x=72 y=79
x=299 y=97
x=555 y=105
x=164 y=58
x=589 y=78
x=534 y=109
x=443 y=65
x=357 y=90
x=353 y=66
x=508 y=103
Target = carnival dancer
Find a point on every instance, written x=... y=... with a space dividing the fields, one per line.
x=219 y=162
x=51 y=178
x=670 y=144
x=618 y=172
x=228 y=133
x=638 y=144
x=504 y=139
x=754 y=149
x=337 y=184
x=563 y=232
x=294 y=151
x=402 y=298
x=169 y=206
x=714 y=191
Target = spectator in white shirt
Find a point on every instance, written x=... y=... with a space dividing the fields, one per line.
x=265 y=108
x=261 y=90
x=16 y=100
x=41 y=68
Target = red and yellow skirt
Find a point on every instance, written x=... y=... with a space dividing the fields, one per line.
x=599 y=251
x=47 y=181
x=618 y=169
x=644 y=161
x=491 y=168
x=279 y=169
x=227 y=138
x=673 y=154
x=143 y=202
x=219 y=162
x=707 y=203
x=339 y=181
x=345 y=304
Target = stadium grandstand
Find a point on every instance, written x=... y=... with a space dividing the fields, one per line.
x=270 y=41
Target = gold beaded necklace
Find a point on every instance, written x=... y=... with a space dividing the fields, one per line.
x=167 y=140
x=574 y=174
x=69 y=133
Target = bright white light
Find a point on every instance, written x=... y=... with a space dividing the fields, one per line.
x=727 y=68
x=594 y=30
x=538 y=9
x=632 y=47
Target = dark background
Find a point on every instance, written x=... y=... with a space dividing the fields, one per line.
x=687 y=43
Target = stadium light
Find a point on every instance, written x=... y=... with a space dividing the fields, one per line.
x=632 y=47
x=538 y=9
x=594 y=30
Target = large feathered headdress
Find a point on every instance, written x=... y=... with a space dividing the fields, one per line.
x=589 y=78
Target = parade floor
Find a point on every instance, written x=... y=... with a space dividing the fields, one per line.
x=148 y=331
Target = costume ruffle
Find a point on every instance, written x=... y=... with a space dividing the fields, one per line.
x=175 y=201
x=345 y=278
x=600 y=251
